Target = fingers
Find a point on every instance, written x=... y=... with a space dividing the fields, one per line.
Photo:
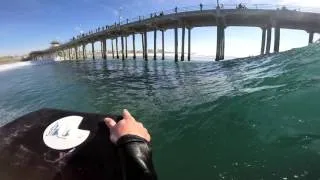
x=109 y=122
x=127 y=115
x=147 y=135
x=113 y=138
x=140 y=124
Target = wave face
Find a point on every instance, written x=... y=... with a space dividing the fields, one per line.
x=6 y=67
x=254 y=118
x=17 y=65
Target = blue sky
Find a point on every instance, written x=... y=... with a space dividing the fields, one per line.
x=28 y=25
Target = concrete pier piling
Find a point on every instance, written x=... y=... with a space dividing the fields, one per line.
x=182 y=43
x=112 y=49
x=126 y=39
x=155 y=45
x=76 y=51
x=72 y=54
x=101 y=49
x=134 y=45
x=220 y=42
x=276 y=39
x=145 y=46
x=79 y=51
x=83 y=51
x=311 y=35
x=189 y=44
x=143 y=49
x=69 y=52
x=104 y=49
x=92 y=45
x=117 y=50
x=175 y=44
x=162 y=32
x=269 y=34
x=263 y=41
x=122 y=48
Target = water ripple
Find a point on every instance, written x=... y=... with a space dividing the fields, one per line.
x=243 y=119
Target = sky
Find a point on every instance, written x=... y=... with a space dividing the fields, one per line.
x=27 y=25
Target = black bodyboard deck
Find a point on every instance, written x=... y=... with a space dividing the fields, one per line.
x=24 y=155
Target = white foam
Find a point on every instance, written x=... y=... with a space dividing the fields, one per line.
x=252 y=90
x=6 y=67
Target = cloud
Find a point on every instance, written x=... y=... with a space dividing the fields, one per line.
x=115 y=12
x=78 y=29
x=304 y=3
x=58 y=38
x=159 y=1
x=300 y=3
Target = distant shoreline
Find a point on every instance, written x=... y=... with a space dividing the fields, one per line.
x=10 y=59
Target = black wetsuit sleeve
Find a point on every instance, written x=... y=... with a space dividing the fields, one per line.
x=136 y=158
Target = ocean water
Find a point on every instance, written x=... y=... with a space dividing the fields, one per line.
x=255 y=118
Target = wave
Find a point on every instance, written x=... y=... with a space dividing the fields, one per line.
x=17 y=65
x=6 y=67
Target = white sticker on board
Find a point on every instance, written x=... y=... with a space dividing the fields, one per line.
x=64 y=133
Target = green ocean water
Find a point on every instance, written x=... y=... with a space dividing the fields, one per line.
x=256 y=118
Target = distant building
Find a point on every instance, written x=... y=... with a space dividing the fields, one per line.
x=35 y=55
x=55 y=44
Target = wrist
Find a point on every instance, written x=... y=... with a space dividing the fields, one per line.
x=129 y=138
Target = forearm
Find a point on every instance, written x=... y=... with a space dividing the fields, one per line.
x=136 y=158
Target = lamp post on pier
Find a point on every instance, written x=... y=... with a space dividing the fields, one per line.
x=119 y=13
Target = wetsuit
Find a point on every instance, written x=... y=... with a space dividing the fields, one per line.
x=136 y=158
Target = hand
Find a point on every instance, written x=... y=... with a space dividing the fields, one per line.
x=128 y=125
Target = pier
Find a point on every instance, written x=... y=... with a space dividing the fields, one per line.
x=268 y=20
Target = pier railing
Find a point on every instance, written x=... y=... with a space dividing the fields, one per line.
x=199 y=7
x=222 y=6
